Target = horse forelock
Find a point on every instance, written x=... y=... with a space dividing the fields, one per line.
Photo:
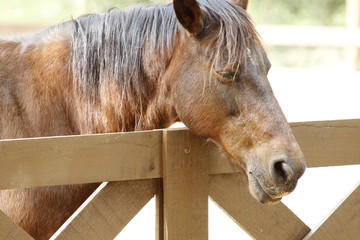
x=236 y=37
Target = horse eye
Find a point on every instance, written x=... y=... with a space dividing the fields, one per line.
x=228 y=75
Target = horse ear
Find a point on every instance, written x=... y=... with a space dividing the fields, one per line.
x=241 y=3
x=189 y=14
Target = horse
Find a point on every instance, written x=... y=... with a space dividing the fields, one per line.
x=200 y=62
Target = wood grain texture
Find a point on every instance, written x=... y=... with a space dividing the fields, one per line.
x=218 y=162
x=344 y=223
x=126 y=156
x=111 y=210
x=329 y=143
x=159 y=215
x=185 y=176
x=230 y=192
x=11 y=231
x=80 y=159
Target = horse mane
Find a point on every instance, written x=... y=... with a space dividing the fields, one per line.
x=111 y=45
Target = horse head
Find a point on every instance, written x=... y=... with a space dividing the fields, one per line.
x=221 y=92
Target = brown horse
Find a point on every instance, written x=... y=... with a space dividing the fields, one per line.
x=143 y=69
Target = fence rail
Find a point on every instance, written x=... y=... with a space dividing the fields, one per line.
x=165 y=163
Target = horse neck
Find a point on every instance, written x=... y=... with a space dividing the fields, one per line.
x=160 y=111
x=36 y=68
x=31 y=75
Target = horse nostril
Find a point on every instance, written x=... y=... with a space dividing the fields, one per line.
x=281 y=171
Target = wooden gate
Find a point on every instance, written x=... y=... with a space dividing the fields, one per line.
x=182 y=171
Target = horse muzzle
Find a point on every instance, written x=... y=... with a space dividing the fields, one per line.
x=269 y=184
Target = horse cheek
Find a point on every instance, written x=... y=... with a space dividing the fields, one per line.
x=198 y=109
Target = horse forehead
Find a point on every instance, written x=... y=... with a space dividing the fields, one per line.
x=255 y=59
x=257 y=62
x=251 y=59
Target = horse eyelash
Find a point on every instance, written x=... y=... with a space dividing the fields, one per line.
x=228 y=75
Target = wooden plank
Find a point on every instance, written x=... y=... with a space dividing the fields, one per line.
x=218 y=163
x=111 y=210
x=11 y=231
x=344 y=223
x=185 y=176
x=230 y=192
x=159 y=216
x=126 y=156
x=82 y=159
x=329 y=143
x=310 y=36
x=88 y=158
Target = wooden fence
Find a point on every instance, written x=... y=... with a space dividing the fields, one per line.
x=182 y=171
x=347 y=37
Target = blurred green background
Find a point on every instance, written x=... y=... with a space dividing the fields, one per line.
x=263 y=12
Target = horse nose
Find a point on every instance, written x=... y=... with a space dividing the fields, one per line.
x=281 y=170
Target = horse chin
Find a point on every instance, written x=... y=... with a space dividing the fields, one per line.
x=259 y=193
